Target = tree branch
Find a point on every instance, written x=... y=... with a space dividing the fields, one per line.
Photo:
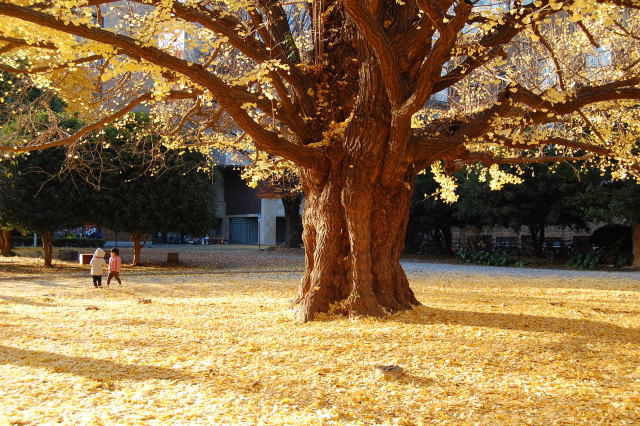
x=488 y=160
x=375 y=37
x=227 y=25
x=443 y=140
x=494 y=41
x=432 y=66
x=226 y=95
x=97 y=125
x=439 y=140
x=279 y=29
x=19 y=42
x=583 y=96
x=53 y=68
x=595 y=149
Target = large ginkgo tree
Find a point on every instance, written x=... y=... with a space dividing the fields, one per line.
x=359 y=95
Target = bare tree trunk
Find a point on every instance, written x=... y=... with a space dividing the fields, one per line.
x=353 y=240
x=354 y=227
x=537 y=237
x=135 y=237
x=357 y=208
x=293 y=230
x=6 y=242
x=47 y=247
x=635 y=241
x=447 y=240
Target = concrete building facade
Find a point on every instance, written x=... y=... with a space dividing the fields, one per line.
x=243 y=215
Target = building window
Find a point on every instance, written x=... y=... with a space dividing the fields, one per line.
x=506 y=241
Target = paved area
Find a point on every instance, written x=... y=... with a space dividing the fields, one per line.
x=425 y=268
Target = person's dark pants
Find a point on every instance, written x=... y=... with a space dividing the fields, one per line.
x=114 y=274
x=97 y=280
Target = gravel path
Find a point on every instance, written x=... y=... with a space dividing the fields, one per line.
x=417 y=268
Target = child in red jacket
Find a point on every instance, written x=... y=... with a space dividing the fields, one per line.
x=115 y=261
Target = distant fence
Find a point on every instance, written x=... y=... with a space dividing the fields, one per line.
x=556 y=248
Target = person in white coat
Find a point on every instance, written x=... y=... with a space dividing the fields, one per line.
x=98 y=266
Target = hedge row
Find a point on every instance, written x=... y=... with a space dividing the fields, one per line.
x=60 y=242
x=78 y=242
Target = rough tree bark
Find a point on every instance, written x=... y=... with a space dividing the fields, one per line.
x=635 y=241
x=353 y=236
x=355 y=218
x=135 y=237
x=293 y=230
x=6 y=242
x=47 y=248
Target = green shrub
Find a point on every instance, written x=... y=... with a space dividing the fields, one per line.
x=484 y=257
x=591 y=259
x=78 y=242
x=21 y=241
x=522 y=263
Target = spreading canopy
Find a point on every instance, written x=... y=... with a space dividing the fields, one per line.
x=517 y=75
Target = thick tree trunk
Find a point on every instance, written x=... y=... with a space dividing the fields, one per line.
x=353 y=239
x=293 y=230
x=357 y=204
x=6 y=242
x=47 y=248
x=354 y=228
x=136 y=248
x=635 y=241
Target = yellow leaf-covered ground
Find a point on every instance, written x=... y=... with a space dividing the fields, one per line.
x=220 y=347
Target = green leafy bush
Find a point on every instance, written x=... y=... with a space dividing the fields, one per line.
x=586 y=260
x=485 y=257
x=78 y=242
x=591 y=259
x=22 y=241
x=19 y=241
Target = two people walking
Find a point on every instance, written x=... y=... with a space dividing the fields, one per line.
x=98 y=264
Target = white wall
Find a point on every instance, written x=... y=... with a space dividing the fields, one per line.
x=270 y=208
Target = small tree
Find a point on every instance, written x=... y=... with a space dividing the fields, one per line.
x=34 y=196
x=141 y=196
x=21 y=103
x=5 y=242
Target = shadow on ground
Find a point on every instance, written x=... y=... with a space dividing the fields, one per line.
x=92 y=368
x=541 y=324
x=22 y=301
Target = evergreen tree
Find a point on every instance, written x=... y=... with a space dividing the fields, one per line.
x=614 y=202
x=140 y=196
x=35 y=196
